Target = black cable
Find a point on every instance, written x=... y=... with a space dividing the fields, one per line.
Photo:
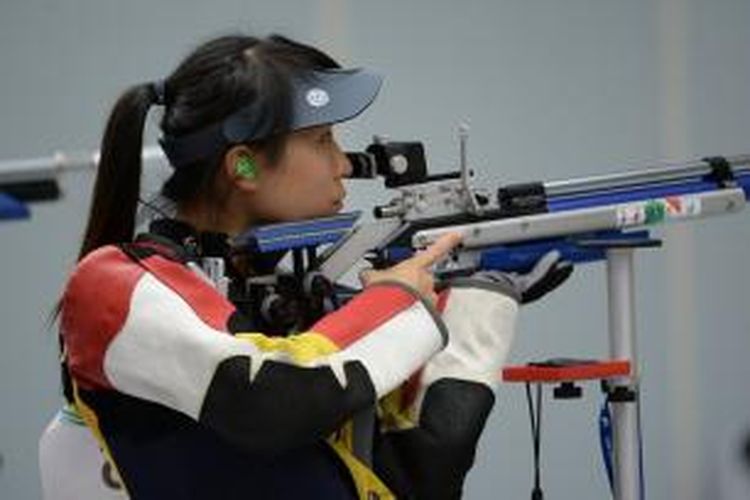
x=641 y=478
x=536 y=435
x=153 y=207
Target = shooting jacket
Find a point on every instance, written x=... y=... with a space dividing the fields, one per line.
x=190 y=401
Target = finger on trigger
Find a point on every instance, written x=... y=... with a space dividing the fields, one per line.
x=439 y=249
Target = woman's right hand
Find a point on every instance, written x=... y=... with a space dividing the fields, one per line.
x=416 y=272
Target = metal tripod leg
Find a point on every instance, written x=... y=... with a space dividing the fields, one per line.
x=622 y=341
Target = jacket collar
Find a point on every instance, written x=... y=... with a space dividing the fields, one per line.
x=185 y=241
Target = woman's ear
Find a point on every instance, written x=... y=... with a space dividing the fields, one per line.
x=242 y=168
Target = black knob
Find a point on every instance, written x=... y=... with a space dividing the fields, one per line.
x=567 y=390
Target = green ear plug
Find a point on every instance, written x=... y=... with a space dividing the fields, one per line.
x=246 y=167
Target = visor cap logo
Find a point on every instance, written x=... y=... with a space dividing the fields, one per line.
x=317 y=97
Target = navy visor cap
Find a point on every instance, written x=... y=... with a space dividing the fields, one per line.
x=321 y=97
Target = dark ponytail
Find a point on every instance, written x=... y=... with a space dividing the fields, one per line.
x=116 y=190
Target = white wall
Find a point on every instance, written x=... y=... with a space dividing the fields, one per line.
x=551 y=90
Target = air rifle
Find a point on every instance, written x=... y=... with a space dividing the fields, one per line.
x=27 y=181
x=507 y=230
x=33 y=180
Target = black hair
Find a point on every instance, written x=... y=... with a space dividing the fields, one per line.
x=218 y=78
x=215 y=80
